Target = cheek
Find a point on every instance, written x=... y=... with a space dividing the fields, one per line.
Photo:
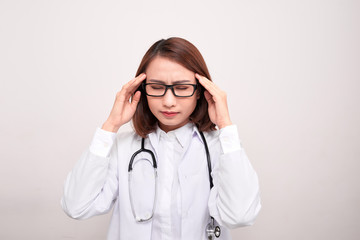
x=151 y=103
x=191 y=104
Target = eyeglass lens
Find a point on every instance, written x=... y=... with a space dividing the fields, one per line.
x=181 y=90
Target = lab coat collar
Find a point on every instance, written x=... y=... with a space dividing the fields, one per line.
x=181 y=134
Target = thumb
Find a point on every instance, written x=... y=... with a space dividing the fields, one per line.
x=208 y=97
x=136 y=98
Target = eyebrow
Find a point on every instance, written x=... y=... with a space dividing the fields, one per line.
x=163 y=82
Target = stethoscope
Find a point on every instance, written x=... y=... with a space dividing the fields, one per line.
x=212 y=230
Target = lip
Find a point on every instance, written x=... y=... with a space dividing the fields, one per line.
x=169 y=114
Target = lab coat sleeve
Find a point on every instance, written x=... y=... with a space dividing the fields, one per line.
x=235 y=198
x=91 y=187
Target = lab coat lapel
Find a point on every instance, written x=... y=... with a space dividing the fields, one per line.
x=154 y=141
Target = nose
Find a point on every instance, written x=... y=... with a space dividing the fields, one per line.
x=169 y=99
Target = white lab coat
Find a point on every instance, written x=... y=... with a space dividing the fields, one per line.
x=98 y=183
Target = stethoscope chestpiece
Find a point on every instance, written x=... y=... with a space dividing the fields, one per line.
x=212 y=231
x=217 y=231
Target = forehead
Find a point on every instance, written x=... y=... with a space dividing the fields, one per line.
x=166 y=70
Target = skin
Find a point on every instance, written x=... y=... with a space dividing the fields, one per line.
x=162 y=70
x=168 y=72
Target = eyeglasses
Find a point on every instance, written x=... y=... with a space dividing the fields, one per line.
x=179 y=90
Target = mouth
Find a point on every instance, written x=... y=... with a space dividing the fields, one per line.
x=169 y=114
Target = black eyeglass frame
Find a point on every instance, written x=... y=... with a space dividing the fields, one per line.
x=195 y=86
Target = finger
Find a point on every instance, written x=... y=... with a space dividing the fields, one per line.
x=129 y=88
x=136 y=98
x=203 y=79
x=214 y=90
x=208 y=97
x=139 y=80
x=134 y=83
x=141 y=77
x=207 y=84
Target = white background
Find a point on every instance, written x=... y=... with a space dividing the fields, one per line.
x=291 y=70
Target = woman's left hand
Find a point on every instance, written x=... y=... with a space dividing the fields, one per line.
x=216 y=98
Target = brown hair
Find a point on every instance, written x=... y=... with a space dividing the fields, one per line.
x=186 y=54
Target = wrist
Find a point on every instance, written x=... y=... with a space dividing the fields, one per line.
x=107 y=126
x=225 y=124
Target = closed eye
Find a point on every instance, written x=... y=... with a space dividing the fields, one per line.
x=156 y=87
x=182 y=87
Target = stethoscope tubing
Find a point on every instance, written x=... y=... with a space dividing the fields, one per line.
x=130 y=168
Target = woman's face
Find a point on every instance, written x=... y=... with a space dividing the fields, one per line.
x=172 y=112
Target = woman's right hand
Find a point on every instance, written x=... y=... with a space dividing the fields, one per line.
x=124 y=109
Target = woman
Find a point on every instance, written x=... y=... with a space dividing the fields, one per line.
x=175 y=108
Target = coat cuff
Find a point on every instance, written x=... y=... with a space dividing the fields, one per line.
x=229 y=139
x=102 y=142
